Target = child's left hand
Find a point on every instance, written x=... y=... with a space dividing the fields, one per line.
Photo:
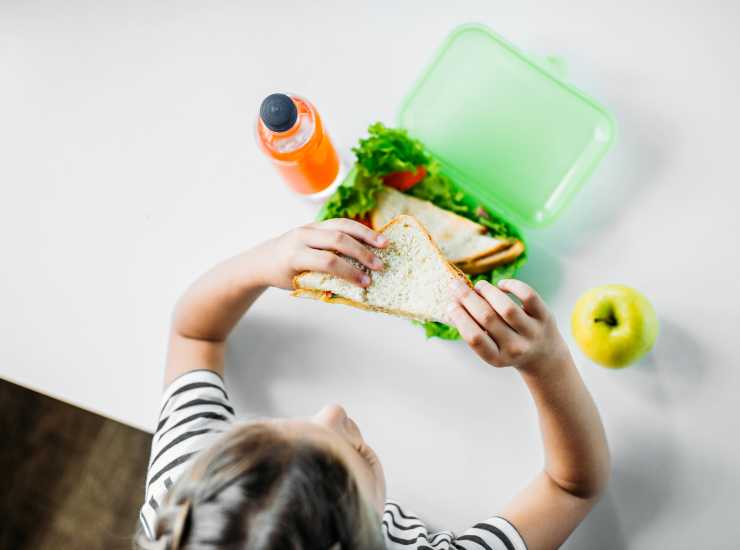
x=313 y=247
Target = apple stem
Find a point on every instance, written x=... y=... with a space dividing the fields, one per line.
x=611 y=320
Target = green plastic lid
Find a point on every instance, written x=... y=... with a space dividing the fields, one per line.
x=509 y=132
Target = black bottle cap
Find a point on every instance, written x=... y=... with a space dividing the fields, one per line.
x=278 y=112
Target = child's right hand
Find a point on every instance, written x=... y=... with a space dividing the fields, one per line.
x=503 y=333
x=312 y=247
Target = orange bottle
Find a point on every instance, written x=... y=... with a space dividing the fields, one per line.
x=290 y=132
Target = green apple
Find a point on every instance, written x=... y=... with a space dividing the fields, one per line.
x=614 y=325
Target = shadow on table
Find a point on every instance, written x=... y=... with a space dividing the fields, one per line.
x=672 y=370
x=263 y=349
x=645 y=470
x=542 y=272
x=642 y=477
x=601 y=529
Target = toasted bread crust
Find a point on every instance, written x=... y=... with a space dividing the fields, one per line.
x=502 y=244
x=481 y=265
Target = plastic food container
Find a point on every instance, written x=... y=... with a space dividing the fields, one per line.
x=509 y=132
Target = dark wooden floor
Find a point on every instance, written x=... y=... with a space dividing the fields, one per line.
x=69 y=479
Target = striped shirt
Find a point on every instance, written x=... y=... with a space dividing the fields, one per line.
x=196 y=409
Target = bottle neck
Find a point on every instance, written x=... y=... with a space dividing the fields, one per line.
x=296 y=138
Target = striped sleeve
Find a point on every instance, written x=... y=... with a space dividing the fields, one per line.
x=195 y=410
x=405 y=531
x=493 y=534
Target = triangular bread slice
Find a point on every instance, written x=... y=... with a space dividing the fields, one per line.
x=459 y=239
x=415 y=282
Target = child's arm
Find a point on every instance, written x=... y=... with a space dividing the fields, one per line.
x=213 y=305
x=576 y=454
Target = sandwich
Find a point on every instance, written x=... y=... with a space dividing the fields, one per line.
x=414 y=284
x=395 y=175
x=462 y=241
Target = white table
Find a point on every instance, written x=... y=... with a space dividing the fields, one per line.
x=128 y=166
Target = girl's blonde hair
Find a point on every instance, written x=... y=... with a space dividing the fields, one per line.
x=256 y=489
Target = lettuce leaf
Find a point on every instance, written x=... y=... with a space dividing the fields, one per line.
x=388 y=150
x=354 y=198
x=433 y=329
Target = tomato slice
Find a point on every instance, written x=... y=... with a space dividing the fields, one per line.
x=405 y=180
x=364 y=220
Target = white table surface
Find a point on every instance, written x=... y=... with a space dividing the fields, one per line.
x=128 y=166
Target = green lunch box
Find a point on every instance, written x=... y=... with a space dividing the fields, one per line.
x=506 y=129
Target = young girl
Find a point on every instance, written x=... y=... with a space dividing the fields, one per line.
x=314 y=483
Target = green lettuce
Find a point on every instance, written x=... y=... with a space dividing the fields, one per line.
x=388 y=150
x=433 y=329
x=354 y=198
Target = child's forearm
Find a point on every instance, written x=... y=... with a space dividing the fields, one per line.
x=213 y=305
x=576 y=451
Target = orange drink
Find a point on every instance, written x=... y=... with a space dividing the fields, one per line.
x=291 y=134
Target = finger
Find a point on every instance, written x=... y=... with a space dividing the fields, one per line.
x=529 y=298
x=510 y=312
x=356 y=229
x=328 y=262
x=482 y=312
x=477 y=338
x=338 y=241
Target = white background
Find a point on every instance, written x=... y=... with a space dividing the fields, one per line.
x=128 y=166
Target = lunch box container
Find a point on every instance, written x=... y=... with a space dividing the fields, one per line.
x=512 y=134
